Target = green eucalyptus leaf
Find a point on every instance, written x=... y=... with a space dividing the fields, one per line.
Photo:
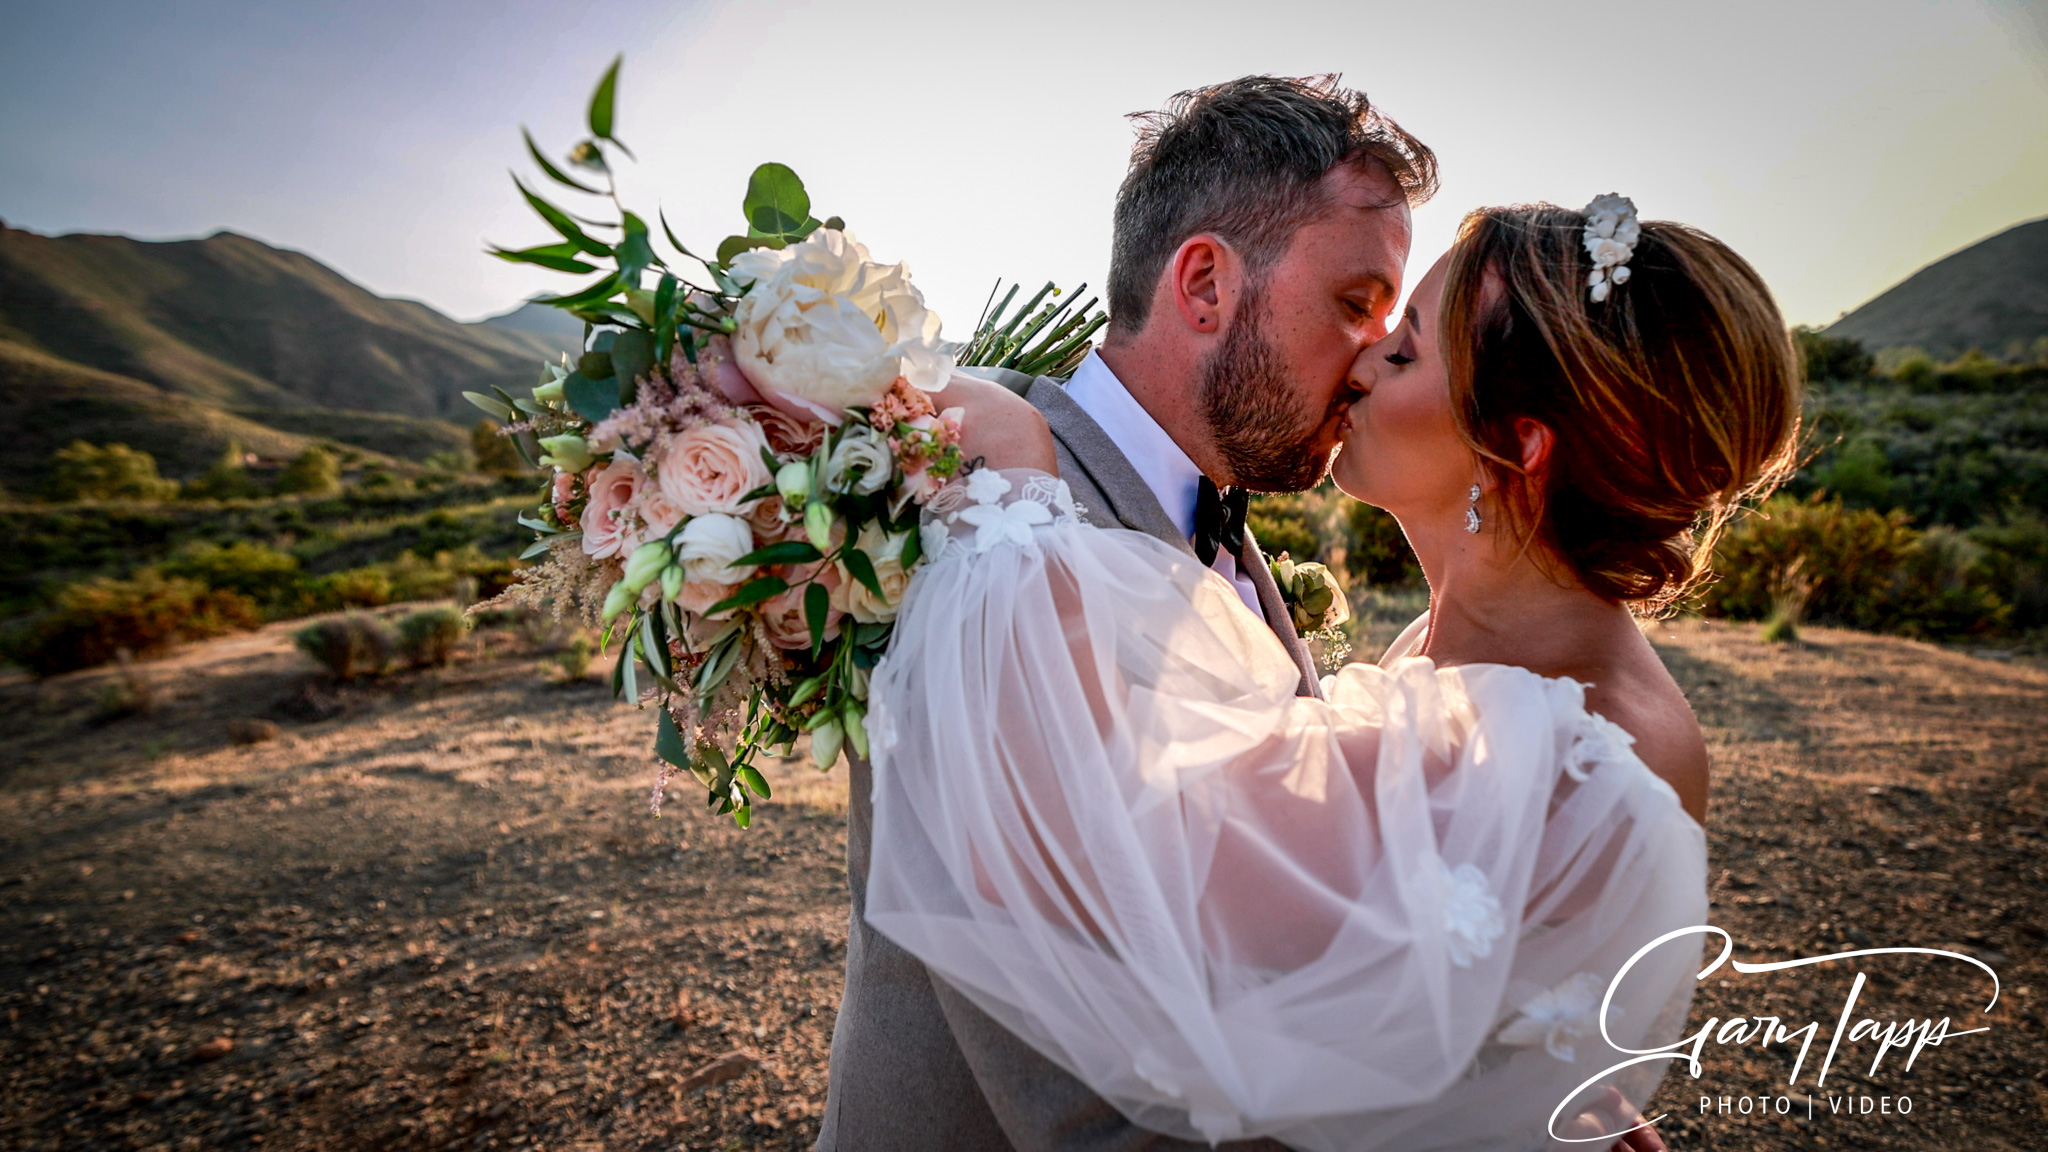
x=751 y=593
x=560 y=257
x=596 y=365
x=602 y=100
x=776 y=203
x=862 y=569
x=591 y=399
x=597 y=292
x=835 y=223
x=732 y=246
x=817 y=605
x=782 y=552
x=632 y=356
x=634 y=252
x=496 y=408
x=665 y=296
x=560 y=222
x=554 y=173
x=752 y=778
x=913 y=549
x=668 y=741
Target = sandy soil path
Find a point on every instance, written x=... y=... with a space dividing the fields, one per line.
x=434 y=913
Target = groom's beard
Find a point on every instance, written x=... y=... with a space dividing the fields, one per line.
x=1269 y=444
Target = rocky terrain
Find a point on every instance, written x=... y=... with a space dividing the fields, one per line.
x=244 y=908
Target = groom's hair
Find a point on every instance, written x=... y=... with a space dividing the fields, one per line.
x=1245 y=161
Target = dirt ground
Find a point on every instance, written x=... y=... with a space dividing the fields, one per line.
x=434 y=912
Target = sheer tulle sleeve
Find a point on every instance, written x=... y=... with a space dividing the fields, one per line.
x=1381 y=921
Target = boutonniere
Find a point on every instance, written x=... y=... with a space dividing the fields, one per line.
x=1316 y=601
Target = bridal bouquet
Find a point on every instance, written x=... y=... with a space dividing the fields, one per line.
x=739 y=461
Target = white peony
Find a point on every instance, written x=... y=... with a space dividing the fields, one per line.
x=710 y=543
x=828 y=329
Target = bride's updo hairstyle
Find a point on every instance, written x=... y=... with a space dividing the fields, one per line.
x=1669 y=403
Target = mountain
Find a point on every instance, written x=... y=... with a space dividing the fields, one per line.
x=548 y=331
x=1992 y=296
x=178 y=346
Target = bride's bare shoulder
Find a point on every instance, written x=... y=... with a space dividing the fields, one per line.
x=1639 y=694
x=998 y=426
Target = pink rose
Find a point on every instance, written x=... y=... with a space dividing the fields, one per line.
x=658 y=513
x=765 y=518
x=697 y=597
x=563 y=492
x=710 y=467
x=783 y=614
x=786 y=434
x=716 y=368
x=608 y=518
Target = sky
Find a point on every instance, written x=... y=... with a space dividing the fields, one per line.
x=1838 y=146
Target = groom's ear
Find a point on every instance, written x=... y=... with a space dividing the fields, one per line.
x=1205 y=280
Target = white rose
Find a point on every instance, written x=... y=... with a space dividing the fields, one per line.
x=886 y=551
x=859 y=463
x=710 y=543
x=828 y=328
x=1606 y=253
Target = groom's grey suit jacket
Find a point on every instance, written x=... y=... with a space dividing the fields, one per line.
x=916 y=1067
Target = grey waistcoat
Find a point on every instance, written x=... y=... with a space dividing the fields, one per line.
x=916 y=1067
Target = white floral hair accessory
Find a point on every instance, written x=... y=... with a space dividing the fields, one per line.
x=1611 y=235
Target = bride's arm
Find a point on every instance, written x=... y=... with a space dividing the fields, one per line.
x=998 y=427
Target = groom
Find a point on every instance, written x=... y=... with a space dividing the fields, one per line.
x=1259 y=244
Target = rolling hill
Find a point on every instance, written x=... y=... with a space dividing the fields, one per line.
x=1991 y=296
x=178 y=346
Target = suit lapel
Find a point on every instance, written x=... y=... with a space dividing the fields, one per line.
x=1130 y=499
x=1086 y=448
x=1252 y=562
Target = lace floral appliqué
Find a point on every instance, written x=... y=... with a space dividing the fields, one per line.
x=1559 y=1018
x=1472 y=916
x=998 y=509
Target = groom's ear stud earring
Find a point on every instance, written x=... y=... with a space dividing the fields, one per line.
x=1472 y=510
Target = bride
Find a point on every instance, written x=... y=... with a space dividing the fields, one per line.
x=1414 y=914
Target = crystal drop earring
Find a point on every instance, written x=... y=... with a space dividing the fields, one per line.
x=1472 y=510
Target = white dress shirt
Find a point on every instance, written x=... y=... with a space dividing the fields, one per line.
x=1159 y=461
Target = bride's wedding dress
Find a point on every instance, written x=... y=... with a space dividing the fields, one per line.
x=1381 y=921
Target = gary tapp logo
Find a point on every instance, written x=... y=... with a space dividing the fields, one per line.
x=1899 y=1040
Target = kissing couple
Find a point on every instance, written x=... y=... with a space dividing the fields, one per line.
x=1126 y=874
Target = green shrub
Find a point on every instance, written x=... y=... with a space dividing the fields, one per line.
x=353 y=588
x=267 y=576
x=350 y=646
x=1865 y=569
x=494 y=451
x=1832 y=357
x=428 y=636
x=314 y=472
x=2015 y=563
x=228 y=479
x=1377 y=551
x=1281 y=524
x=94 y=621
x=115 y=472
x=574 y=658
x=379 y=480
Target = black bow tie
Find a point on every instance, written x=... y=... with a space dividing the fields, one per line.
x=1219 y=521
